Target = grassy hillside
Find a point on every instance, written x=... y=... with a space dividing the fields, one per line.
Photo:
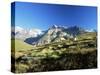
x=90 y=35
x=20 y=45
x=64 y=55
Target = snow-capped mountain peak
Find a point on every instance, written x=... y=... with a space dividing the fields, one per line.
x=18 y=29
x=35 y=32
x=21 y=33
x=56 y=33
x=54 y=26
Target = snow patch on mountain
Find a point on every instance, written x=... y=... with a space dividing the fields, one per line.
x=35 y=32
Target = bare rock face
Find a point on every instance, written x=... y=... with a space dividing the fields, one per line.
x=59 y=33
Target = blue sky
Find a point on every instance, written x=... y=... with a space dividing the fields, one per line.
x=43 y=16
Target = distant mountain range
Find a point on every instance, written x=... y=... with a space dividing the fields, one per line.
x=20 y=33
x=53 y=34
